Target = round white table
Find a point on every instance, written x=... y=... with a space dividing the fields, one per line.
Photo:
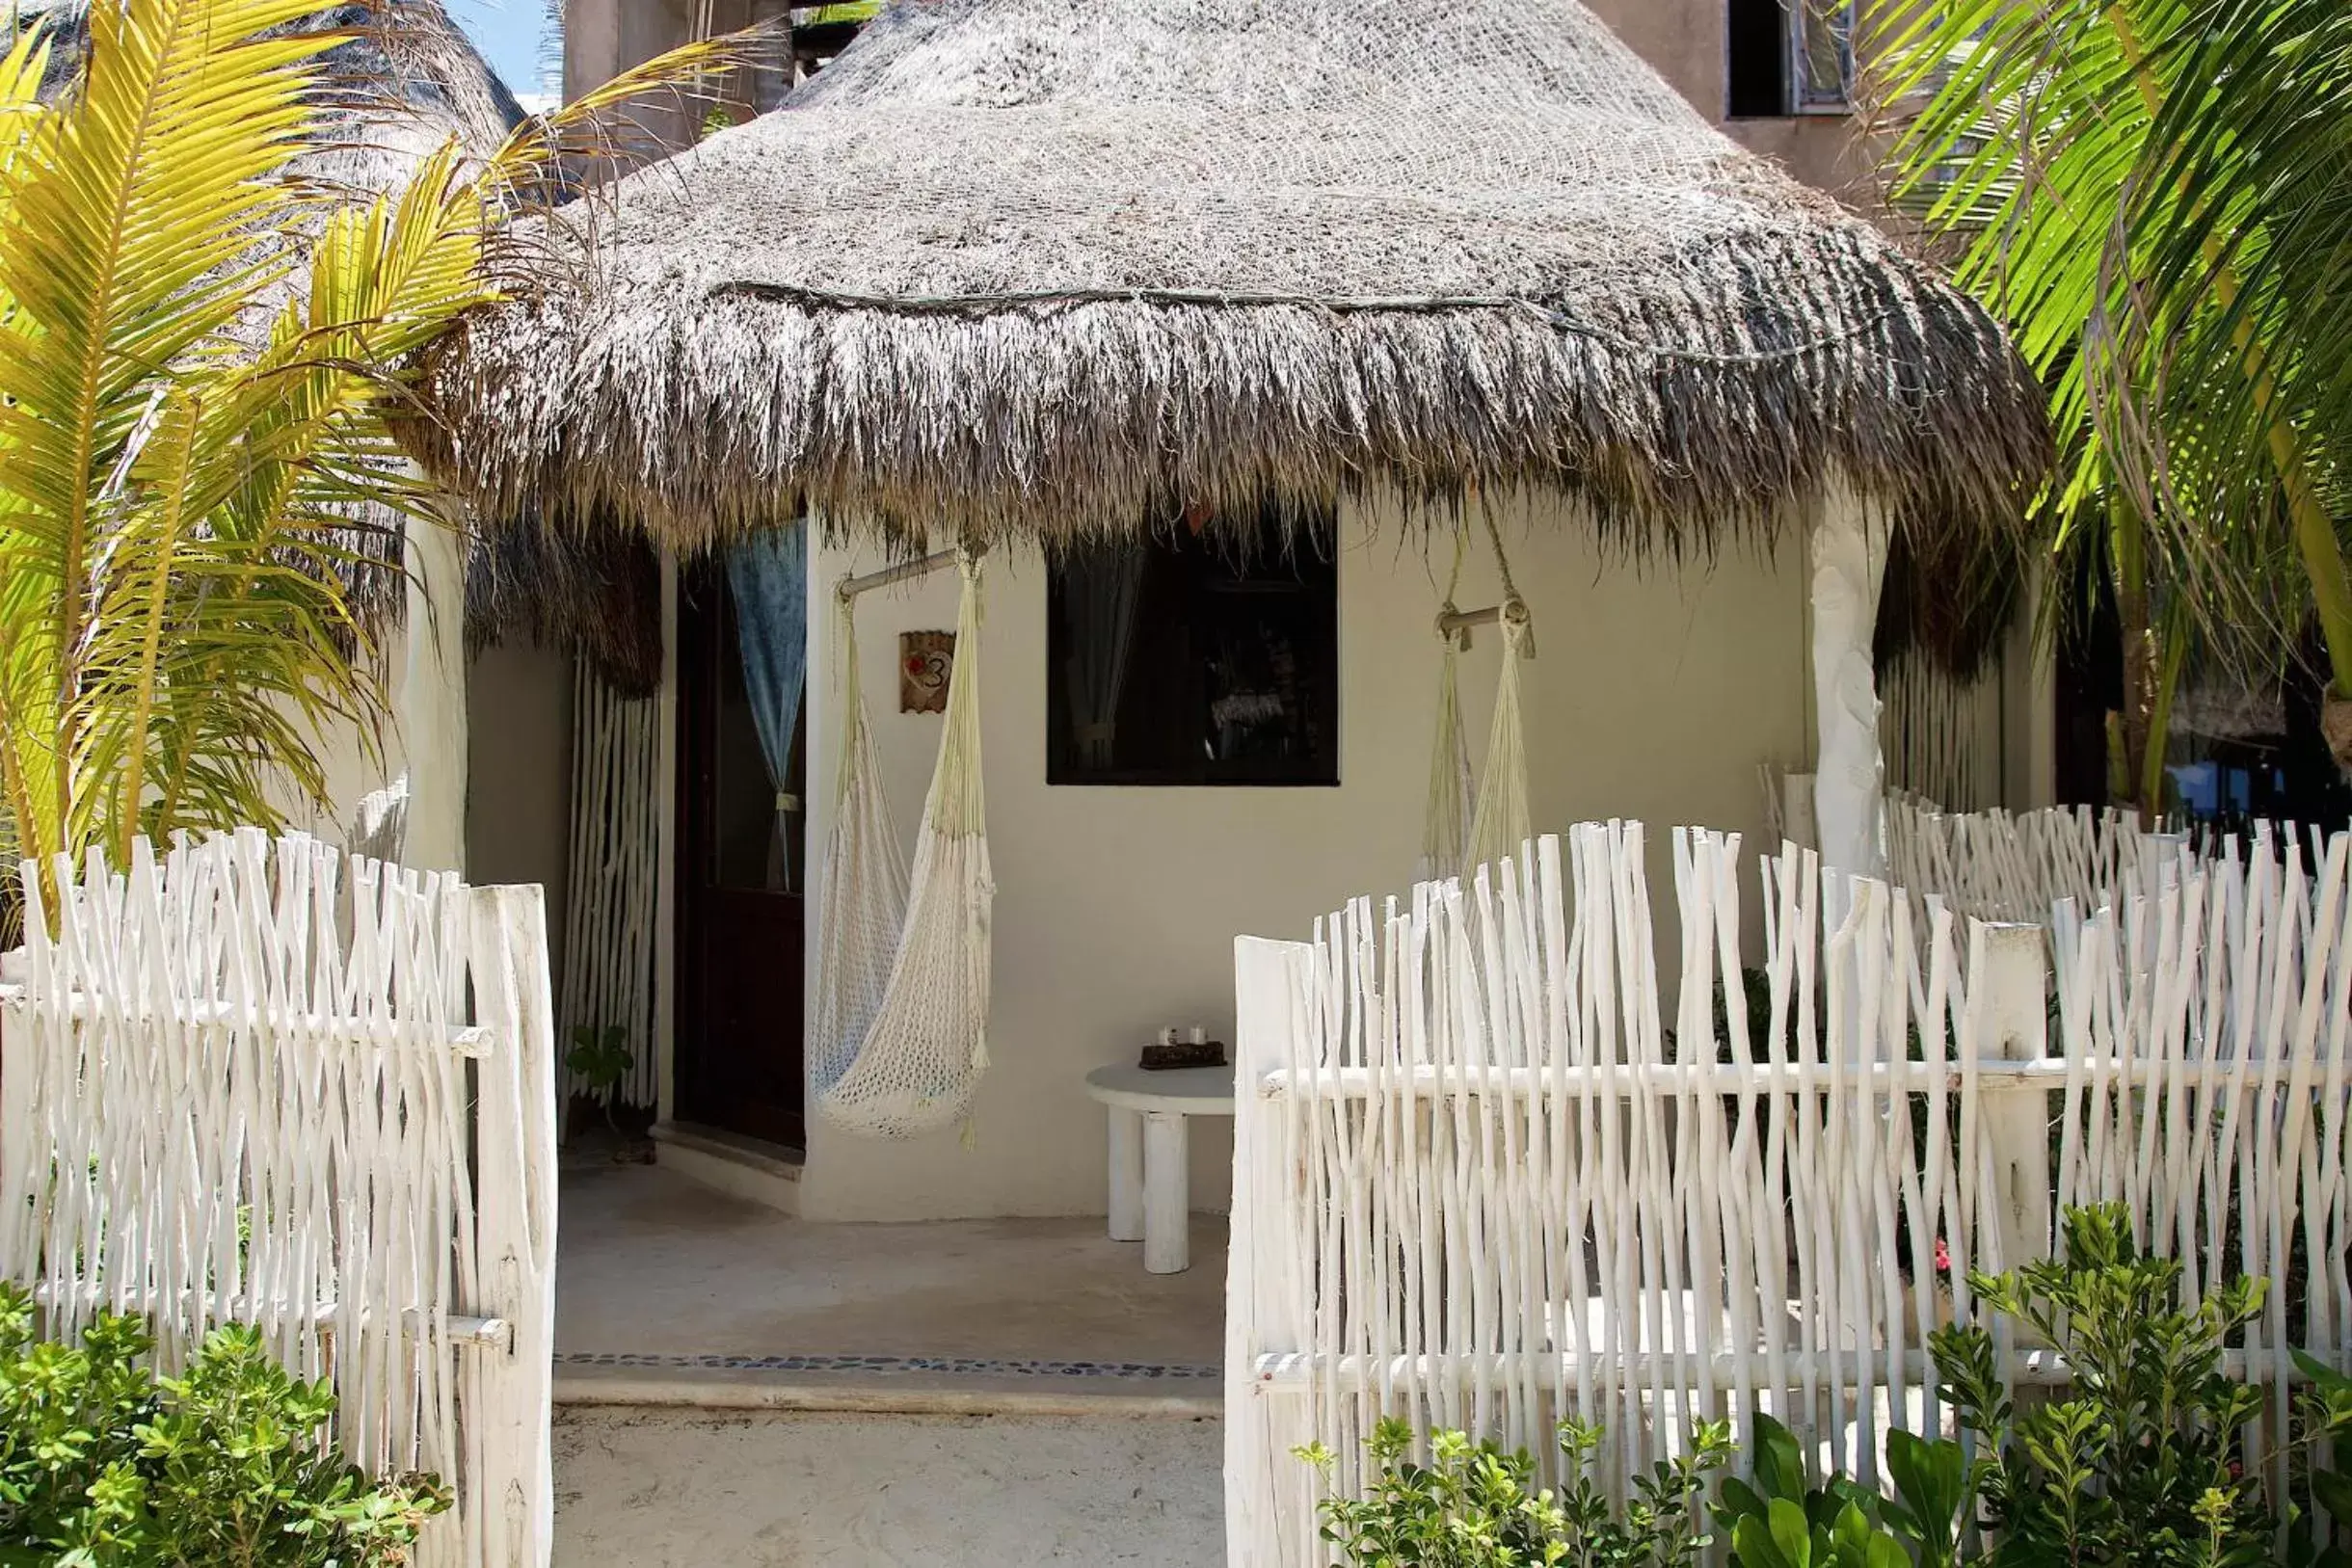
x=1150 y=1154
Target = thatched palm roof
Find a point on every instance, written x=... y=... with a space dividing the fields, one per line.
x=1050 y=267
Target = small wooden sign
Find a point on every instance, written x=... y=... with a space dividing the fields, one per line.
x=927 y=660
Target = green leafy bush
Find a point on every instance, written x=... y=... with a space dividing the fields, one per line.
x=1777 y=1521
x=2136 y=1465
x=600 y=1058
x=102 y=1465
x=1476 y=1506
x=2327 y=1427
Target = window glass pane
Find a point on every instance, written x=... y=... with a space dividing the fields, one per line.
x=1191 y=659
x=1825 y=53
x=1759 y=58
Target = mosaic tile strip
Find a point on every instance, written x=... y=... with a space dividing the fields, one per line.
x=899 y=1366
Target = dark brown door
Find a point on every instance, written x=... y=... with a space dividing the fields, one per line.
x=741 y=868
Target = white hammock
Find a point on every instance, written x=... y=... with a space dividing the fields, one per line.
x=1458 y=837
x=898 y=1026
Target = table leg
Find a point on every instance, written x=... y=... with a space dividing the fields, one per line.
x=1125 y=1174
x=1166 y=1193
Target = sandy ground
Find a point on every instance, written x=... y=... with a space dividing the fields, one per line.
x=678 y=1489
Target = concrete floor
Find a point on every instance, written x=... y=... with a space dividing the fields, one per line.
x=736 y=1387
x=673 y=1489
x=651 y=1263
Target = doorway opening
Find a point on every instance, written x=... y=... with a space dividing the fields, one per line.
x=742 y=877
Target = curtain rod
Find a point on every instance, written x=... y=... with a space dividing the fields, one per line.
x=1457 y=622
x=903 y=571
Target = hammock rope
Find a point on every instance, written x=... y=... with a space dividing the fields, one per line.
x=1501 y=823
x=1473 y=822
x=1445 y=824
x=899 y=1021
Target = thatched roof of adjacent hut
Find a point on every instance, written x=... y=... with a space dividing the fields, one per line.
x=405 y=82
x=1049 y=268
x=403 y=85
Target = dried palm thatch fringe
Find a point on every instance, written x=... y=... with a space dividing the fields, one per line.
x=1949 y=597
x=597 y=593
x=1045 y=268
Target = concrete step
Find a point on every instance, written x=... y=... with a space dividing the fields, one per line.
x=917 y=1386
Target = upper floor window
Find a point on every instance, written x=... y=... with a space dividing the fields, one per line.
x=816 y=33
x=1193 y=658
x=1790 y=56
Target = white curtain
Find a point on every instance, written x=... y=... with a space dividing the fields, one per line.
x=1101 y=585
x=768 y=574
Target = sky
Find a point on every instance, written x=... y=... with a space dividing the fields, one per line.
x=507 y=32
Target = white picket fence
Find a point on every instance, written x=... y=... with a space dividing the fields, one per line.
x=1941 y=737
x=239 y=1083
x=611 y=891
x=1495 y=1163
x=2018 y=866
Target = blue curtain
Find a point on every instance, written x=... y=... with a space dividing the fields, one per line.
x=770 y=574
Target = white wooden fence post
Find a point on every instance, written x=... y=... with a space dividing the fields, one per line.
x=1261 y=1283
x=22 y=1203
x=2018 y=1130
x=515 y=1221
x=1451 y=1115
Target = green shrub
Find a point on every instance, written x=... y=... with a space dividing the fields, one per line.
x=2136 y=1465
x=1475 y=1506
x=1777 y=1521
x=102 y=1465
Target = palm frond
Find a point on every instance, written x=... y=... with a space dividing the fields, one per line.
x=2088 y=156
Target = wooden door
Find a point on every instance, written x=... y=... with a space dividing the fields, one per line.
x=741 y=871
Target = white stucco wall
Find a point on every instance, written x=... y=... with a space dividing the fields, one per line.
x=499 y=741
x=518 y=774
x=1656 y=694
x=420 y=664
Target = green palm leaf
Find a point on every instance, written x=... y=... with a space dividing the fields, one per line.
x=201 y=355
x=2154 y=194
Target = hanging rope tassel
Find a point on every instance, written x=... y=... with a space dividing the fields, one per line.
x=1445 y=832
x=1501 y=824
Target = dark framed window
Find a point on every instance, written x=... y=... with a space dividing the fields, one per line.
x=1194 y=658
x=1790 y=56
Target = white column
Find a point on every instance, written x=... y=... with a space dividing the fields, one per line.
x=2030 y=707
x=1167 y=1182
x=1125 y=1174
x=1848 y=560
x=429 y=707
